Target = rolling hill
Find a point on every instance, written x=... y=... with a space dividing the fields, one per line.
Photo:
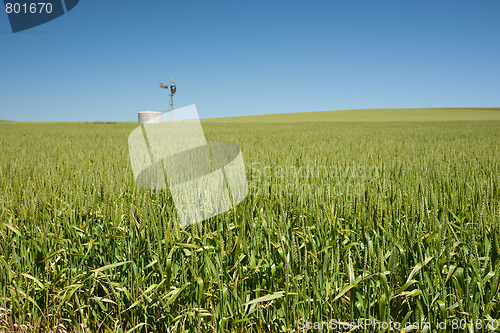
x=375 y=115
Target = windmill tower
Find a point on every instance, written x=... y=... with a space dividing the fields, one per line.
x=173 y=88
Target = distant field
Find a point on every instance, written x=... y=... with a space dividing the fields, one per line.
x=376 y=115
x=350 y=215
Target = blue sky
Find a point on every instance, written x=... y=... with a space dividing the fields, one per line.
x=104 y=60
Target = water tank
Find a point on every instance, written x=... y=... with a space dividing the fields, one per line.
x=149 y=117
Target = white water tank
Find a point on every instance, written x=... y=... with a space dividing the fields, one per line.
x=150 y=117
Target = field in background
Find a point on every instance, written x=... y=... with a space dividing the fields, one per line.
x=377 y=115
x=345 y=220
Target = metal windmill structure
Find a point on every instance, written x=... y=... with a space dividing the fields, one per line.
x=173 y=88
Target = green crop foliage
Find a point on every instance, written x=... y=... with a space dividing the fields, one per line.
x=345 y=220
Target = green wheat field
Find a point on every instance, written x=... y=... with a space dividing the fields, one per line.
x=382 y=215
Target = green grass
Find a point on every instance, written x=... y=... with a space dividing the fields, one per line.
x=344 y=220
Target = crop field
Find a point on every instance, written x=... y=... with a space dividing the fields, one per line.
x=387 y=215
x=375 y=115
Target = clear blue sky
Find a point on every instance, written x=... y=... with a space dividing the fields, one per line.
x=104 y=60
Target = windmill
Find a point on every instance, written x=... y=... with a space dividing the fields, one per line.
x=173 y=88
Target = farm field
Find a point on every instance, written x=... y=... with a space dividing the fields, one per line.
x=375 y=115
x=388 y=215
